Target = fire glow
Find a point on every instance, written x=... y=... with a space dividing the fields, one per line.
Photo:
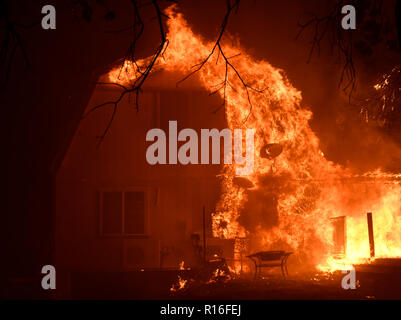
x=308 y=190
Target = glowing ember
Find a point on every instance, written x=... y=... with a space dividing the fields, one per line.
x=295 y=181
x=180 y=285
x=219 y=275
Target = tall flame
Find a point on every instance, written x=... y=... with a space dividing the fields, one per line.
x=306 y=189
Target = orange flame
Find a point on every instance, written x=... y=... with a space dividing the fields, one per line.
x=180 y=285
x=309 y=189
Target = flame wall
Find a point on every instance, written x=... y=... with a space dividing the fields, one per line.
x=295 y=194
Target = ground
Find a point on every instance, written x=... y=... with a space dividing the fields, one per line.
x=372 y=283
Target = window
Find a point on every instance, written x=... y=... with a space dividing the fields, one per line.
x=122 y=213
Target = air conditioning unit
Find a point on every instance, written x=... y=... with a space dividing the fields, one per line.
x=141 y=254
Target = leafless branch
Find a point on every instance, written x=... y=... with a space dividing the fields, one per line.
x=231 y=6
x=384 y=105
x=11 y=42
x=143 y=72
x=329 y=26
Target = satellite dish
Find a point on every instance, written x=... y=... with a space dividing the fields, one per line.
x=243 y=182
x=271 y=150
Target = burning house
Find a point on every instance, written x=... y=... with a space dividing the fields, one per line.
x=201 y=150
x=132 y=215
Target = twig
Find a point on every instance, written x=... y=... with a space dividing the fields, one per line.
x=228 y=65
x=144 y=72
x=327 y=25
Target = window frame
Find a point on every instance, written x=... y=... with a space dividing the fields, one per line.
x=123 y=234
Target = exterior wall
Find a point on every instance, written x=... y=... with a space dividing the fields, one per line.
x=175 y=193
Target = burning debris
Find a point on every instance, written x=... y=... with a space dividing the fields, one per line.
x=204 y=275
x=180 y=285
x=219 y=275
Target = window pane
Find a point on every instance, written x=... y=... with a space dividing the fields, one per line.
x=134 y=212
x=112 y=211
